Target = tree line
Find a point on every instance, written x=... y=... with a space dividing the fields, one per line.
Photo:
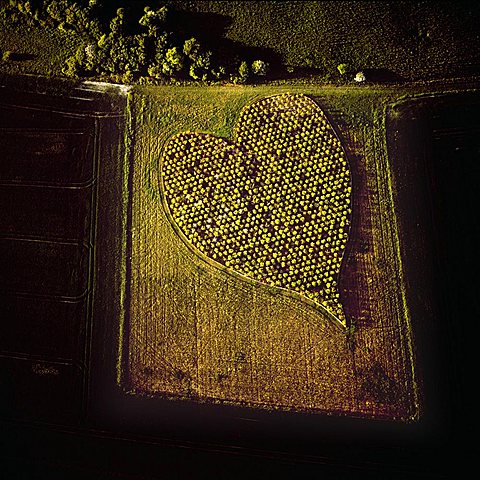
x=128 y=47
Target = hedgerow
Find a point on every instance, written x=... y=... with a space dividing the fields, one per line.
x=145 y=48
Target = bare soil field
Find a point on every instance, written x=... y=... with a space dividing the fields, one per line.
x=55 y=139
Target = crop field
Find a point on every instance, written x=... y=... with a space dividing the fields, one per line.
x=208 y=320
x=53 y=141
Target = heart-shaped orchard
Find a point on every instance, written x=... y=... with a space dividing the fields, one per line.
x=272 y=205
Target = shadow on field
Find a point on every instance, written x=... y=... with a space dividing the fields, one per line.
x=211 y=30
x=382 y=75
x=21 y=57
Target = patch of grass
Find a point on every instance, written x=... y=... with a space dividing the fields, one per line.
x=35 y=50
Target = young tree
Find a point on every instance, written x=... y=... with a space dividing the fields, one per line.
x=200 y=67
x=243 y=72
x=191 y=48
x=117 y=24
x=259 y=67
x=174 y=61
x=154 y=20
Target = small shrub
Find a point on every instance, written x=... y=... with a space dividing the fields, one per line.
x=360 y=77
x=342 y=68
x=243 y=73
x=259 y=67
x=7 y=55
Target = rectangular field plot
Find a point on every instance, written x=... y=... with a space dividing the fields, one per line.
x=43 y=327
x=53 y=138
x=57 y=158
x=53 y=213
x=43 y=268
x=195 y=330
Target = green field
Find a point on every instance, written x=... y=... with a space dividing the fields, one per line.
x=196 y=332
x=37 y=51
x=414 y=40
x=389 y=41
